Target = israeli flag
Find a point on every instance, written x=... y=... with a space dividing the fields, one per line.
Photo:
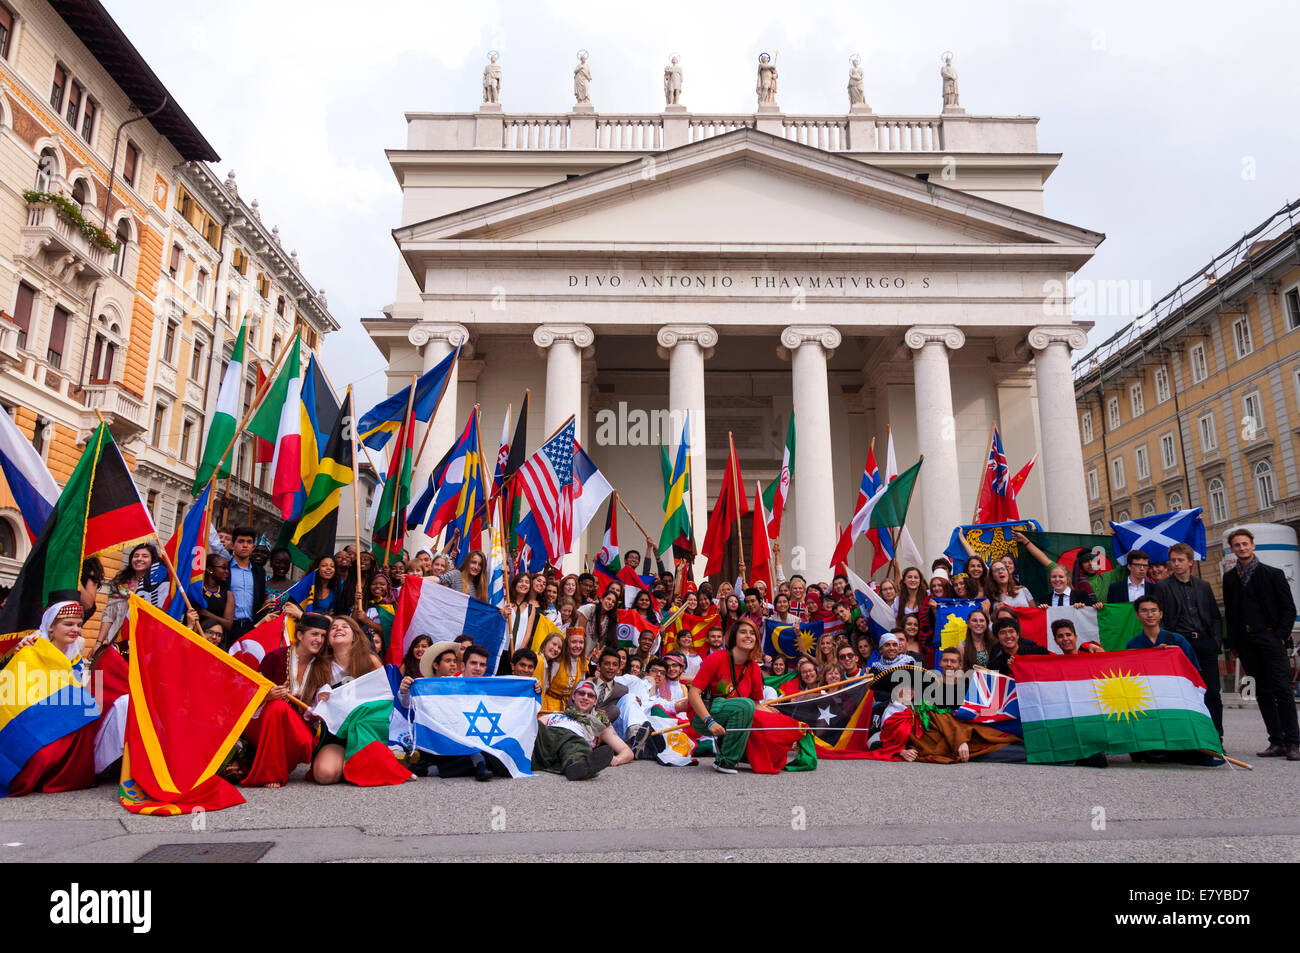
x=1155 y=534
x=459 y=716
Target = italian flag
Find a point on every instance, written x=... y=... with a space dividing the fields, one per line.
x=222 y=430
x=359 y=712
x=774 y=496
x=1075 y=706
x=279 y=420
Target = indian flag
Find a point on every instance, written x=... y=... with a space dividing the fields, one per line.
x=222 y=430
x=359 y=712
x=1075 y=706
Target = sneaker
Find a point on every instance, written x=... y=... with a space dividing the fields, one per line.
x=591 y=765
x=482 y=773
x=723 y=768
x=639 y=742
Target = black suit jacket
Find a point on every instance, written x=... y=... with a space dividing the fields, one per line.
x=1167 y=595
x=1270 y=594
x=1118 y=591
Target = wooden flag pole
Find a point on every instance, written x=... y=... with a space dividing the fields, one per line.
x=388 y=542
x=734 y=466
x=975 y=515
x=619 y=498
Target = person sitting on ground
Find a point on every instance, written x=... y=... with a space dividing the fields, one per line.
x=578 y=742
x=411 y=660
x=951 y=684
x=619 y=705
x=909 y=733
x=441 y=660
x=1010 y=644
x=562 y=671
x=474 y=661
x=672 y=689
x=346 y=654
x=725 y=694
x=280 y=733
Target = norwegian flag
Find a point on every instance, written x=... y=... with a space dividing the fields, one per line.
x=991 y=700
x=548 y=486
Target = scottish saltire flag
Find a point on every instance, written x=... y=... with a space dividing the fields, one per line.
x=385 y=418
x=427 y=608
x=950 y=623
x=991 y=700
x=188 y=548
x=300 y=591
x=459 y=716
x=590 y=490
x=1155 y=534
x=989 y=540
x=30 y=483
x=880 y=614
x=788 y=640
x=548 y=487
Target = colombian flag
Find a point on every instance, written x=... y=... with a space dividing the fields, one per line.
x=189 y=703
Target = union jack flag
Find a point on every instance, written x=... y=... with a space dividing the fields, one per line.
x=997 y=465
x=996 y=500
x=991 y=700
x=548 y=486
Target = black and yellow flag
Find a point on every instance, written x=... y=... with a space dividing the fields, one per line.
x=313 y=534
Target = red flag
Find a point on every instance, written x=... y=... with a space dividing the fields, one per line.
x=724 y=510
x=761 y=566
x=1033 y=624
x=1017 y=483
x=265 y=448
x=189 y=703
x=265 y=637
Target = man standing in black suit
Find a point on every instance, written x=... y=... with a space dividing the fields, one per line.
x=1260 y=610
x=1128 y=590
x=1191 y=610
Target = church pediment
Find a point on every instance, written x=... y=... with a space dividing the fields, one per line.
x=746 y=188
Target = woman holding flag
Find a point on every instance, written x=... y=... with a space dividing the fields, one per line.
x=471 y=578
x=324 y=589
x=282 y=737
x=346 y=655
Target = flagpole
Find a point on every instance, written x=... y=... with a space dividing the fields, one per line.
x=734 y=467
x=975 y=515
x=363 y=447
x=356 y=492
x=397 y=490
x=619 y=498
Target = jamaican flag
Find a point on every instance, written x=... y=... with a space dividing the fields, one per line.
x=99 y=509
x=312 y=535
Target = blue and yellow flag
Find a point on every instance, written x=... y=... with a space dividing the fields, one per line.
x=386 y=417
x=950 y=623
x=789 y=640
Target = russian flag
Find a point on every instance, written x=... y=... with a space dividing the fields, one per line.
x=29 y=481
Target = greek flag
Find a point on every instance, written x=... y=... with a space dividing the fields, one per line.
x=459 y=716
x=1155 y=534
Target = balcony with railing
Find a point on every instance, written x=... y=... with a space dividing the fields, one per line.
x=123 y=412
x=60 y=248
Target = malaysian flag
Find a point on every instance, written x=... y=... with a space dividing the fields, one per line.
x=548 y=486
x=991 y=700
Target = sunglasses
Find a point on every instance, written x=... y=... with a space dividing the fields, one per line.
x=585 y=693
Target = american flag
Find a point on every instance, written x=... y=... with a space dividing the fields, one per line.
x=548 y=486
x=991 y=700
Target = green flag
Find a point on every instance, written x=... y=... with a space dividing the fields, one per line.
x=666 y=470
x=890 y=507
x=677 y=518
x=1070 y=550
x=222 y=430
x=1117 y=623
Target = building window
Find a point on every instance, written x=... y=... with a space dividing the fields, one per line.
x=1117 y=480
x=1168 y=460
x=263 y=285
x=1161 y=377
x=1085 y=426
x=179 y=515
x=1252 y=415
x=1136 y=401
x=248 y=395
x=1112 y=413
x=1094 y=490
x=1096 y=528
x=1218 y=501
x=1196 y=358
x=56 y=91
x=1292 y=299
x=1141 y=463
x=201 y=285
x=169 y=342
x=1265 y=491
x=239 y=261
x=279 y=305
x=101 y=364
x=156 y=434
x=79 y=192
x=23 y=306
x=74 y=103
x=151 y=501
x=1148 y=509
x=1122 y=516
x=123 y=239
x=129 y=164
x=187 y=432
x=6 y=31
x=174 y=266
x=276 y=344
x=58 y=337
x=8 y=538
x=88 y=120
x=196 y=359
x=46 y=168
x=1175 y=502
x=232 y=303
x=1241 y=342
x=1209 y=436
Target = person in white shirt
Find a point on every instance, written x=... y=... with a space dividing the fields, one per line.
x=1062 y=594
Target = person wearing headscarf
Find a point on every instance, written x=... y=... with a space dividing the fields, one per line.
x=912 y=731
x=578 y=742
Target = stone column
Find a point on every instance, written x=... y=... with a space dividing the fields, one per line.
x=564 y=346
x=939 y=487
x=1067 y=498
x=437 y=340
x=687 y=347
x=809 y=347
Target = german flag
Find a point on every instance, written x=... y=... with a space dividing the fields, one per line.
x=99 y=509
x=174 y=747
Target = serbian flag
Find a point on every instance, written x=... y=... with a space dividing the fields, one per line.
x=265 y=637
x=188 y=547
x=30 y=483
x=189 y=703
x=280 y=419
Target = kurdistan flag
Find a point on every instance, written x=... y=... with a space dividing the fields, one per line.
x=360 y=712
x=1075 y=706
x=222 y=430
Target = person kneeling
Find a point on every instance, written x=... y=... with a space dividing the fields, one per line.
x=578 y=742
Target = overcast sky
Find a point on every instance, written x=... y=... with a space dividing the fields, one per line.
x=1178 y=123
